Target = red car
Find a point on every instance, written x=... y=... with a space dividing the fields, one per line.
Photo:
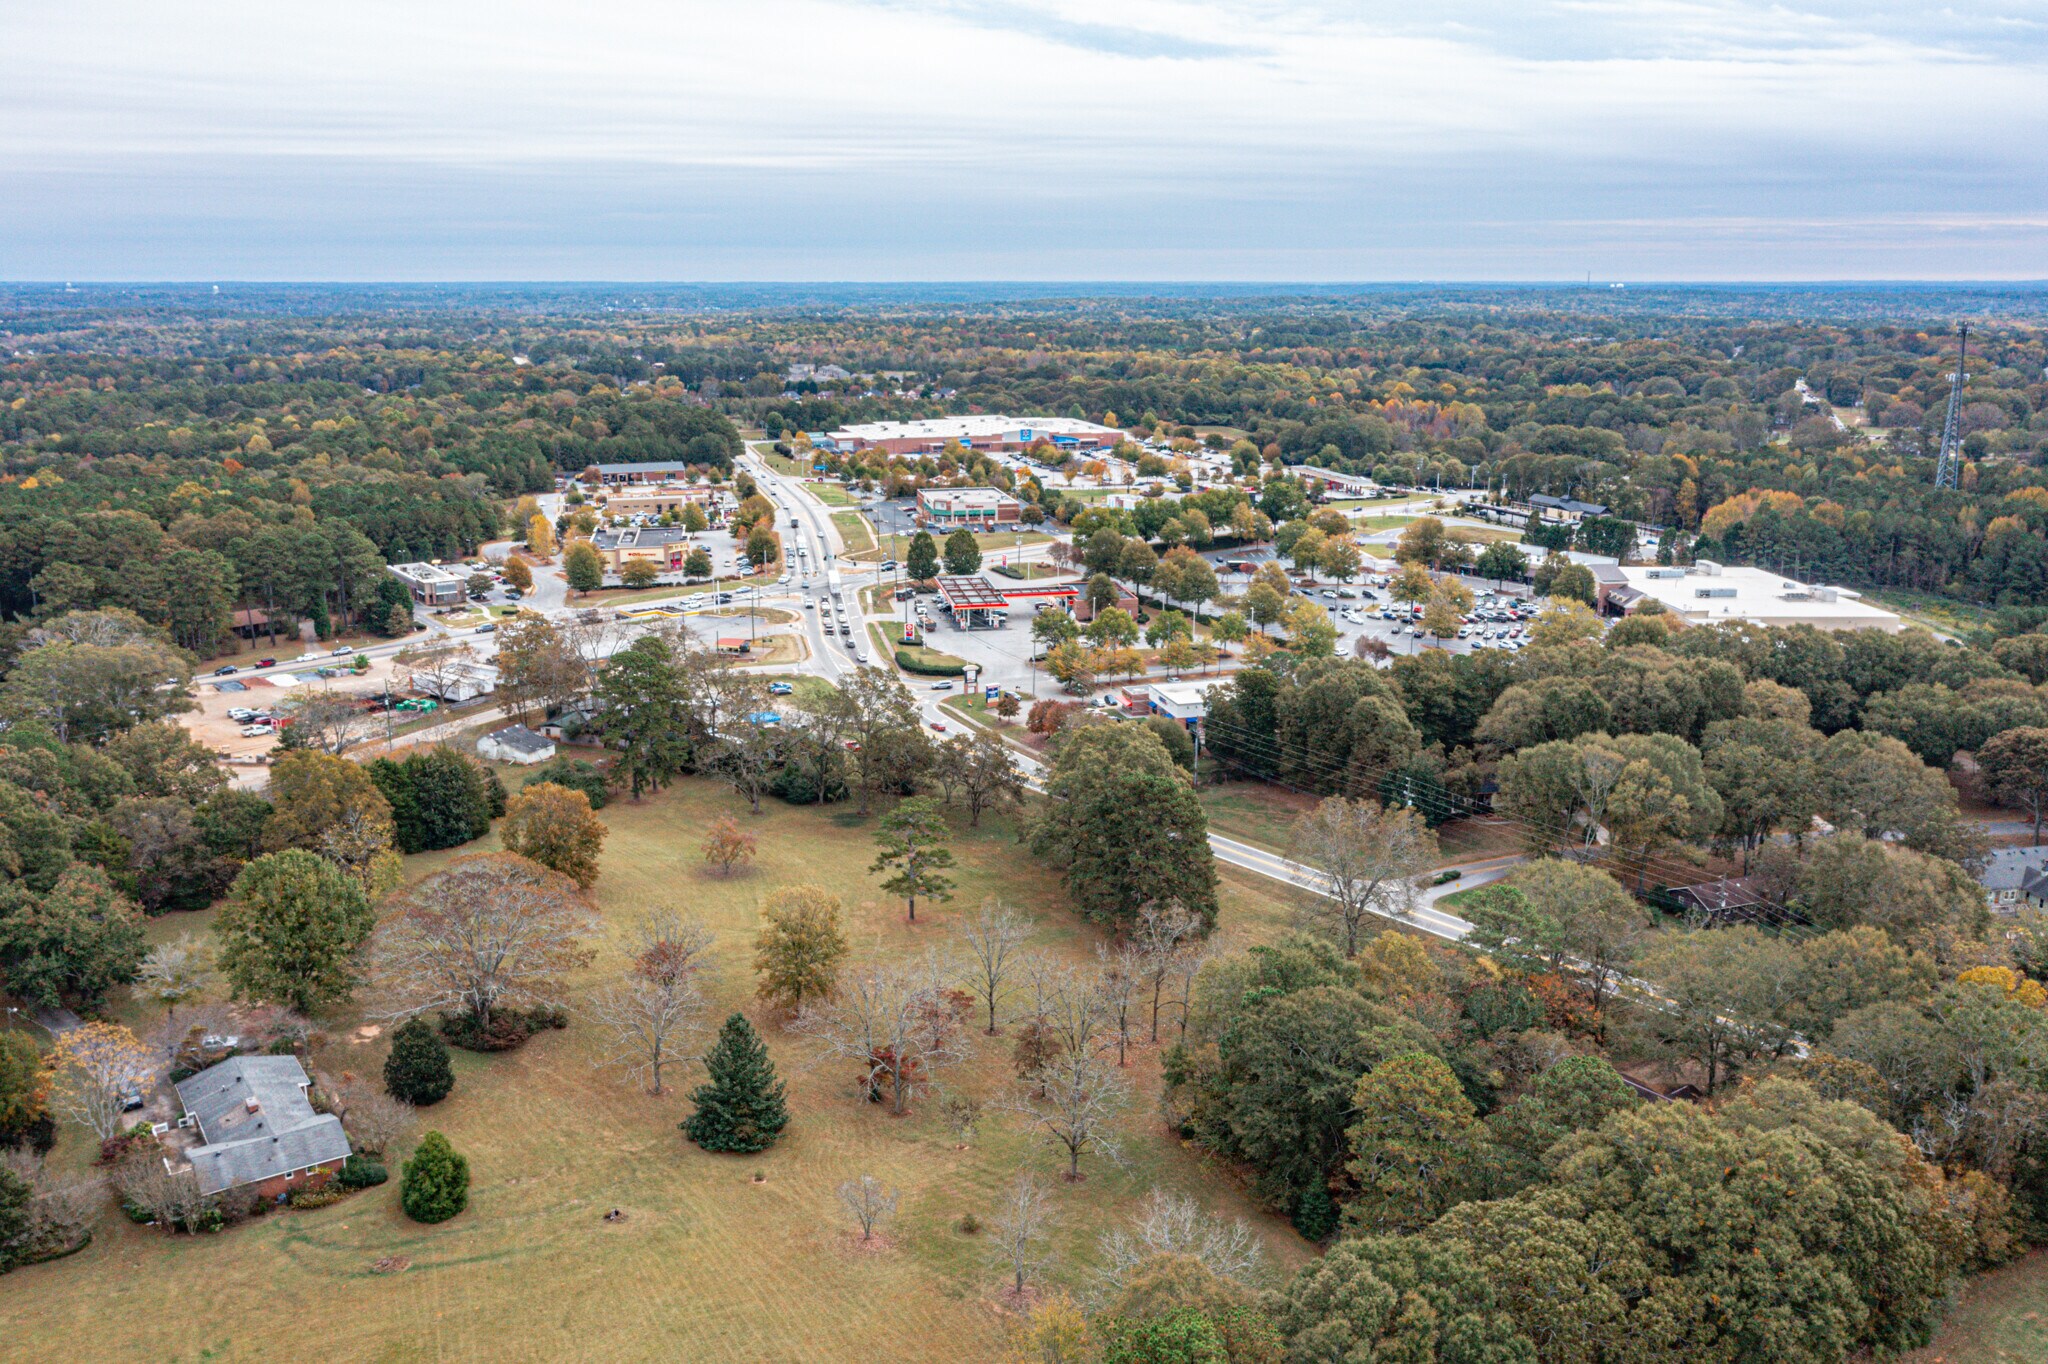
x=939 y=727
x=266 y=663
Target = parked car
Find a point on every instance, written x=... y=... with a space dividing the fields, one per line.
x=255 y=731
x=241 y=714
x=780 y=689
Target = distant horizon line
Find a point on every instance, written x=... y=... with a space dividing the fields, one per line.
x=76 y=283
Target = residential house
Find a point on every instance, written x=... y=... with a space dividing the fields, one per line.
x=256 y=1128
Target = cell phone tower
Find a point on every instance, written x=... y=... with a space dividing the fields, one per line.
x=1948 y=467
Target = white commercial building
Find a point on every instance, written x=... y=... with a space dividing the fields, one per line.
x=1706 y=592
x=993 y=432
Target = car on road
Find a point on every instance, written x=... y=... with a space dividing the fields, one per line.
x=939 y=726
x=228 y=670
x=339 y=651
x=810 y=605
x=888 y=565
x=942 y=686
x=487 y=628
x=266 y=663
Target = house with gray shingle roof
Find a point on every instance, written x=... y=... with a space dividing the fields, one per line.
x=256 y=1127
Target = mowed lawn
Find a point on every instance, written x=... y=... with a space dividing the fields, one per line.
x=707 y=1265
x=2001 y=1318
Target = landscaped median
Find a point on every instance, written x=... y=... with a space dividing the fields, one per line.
x=916 y=658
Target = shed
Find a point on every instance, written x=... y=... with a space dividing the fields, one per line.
x=515 y=744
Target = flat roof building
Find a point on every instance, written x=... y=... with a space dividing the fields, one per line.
x=431 y=584
x=1706 y=592
x=952 y=508
x=993 y=432
x=666 y=546
x=654 y=471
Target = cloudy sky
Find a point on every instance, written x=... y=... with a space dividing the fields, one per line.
x=1023 y=139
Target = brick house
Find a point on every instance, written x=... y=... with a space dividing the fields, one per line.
x=255 y=1129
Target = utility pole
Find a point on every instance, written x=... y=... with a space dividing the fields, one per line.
x=1948 y=465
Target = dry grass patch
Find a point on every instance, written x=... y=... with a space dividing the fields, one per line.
x=708 y=1264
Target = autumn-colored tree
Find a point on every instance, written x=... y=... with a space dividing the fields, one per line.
x=96 y=1067
x=518 y=574
x=553 y=825
x=487 y=931
x=540 y=536
x=800 y=946
x=727 y=845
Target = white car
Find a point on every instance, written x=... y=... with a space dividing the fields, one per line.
x=255 y=731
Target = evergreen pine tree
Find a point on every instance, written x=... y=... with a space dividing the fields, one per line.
x=436 y=1182
x=741 y=1108
x=417 y=1069
x=1315 y=1215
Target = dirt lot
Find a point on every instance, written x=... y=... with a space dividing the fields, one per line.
x=210 y=723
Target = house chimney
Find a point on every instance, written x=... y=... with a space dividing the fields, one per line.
x=251 y=1104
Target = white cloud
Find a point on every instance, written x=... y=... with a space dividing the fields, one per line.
x=1164 y=111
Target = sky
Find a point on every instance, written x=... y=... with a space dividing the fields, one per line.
x=902 y=140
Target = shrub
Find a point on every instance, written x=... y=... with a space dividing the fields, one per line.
x=417 y=1069
x=303 y=1200
x=926 y=663
x=505 y=1030
x=361 y=1172
x=575 y=774
x=435 y=1185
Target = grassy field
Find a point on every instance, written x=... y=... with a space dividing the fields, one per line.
x=831 y=494
x=887 y=643
x=707 y=1265
x=1372 y=525
x=1253 y=812
x=858 y=534
x=1937 y=613
x=2001 y=1318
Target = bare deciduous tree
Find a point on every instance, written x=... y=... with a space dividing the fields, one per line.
x=175 y=971
x=654 y=1016
x=1079 y=1096
x=1069 y=1007
x=898 y=1027
x=1020 y=1224
x=1120 y=968
x=172 y=1197
x=669 y=948
x=1361 y=858
x=330 y=721
x=61 y=1206
x=648 y=1026
x=488 y=931
x=1163 y=934
x=374 y=1120
x=867 y=1201
x=1174 y=1224
x=993 y=941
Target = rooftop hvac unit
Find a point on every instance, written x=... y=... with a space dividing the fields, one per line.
x=1707 y=568
x=1713 y=591
x=1664 y=573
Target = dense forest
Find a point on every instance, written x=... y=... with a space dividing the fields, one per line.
x=175 y=431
